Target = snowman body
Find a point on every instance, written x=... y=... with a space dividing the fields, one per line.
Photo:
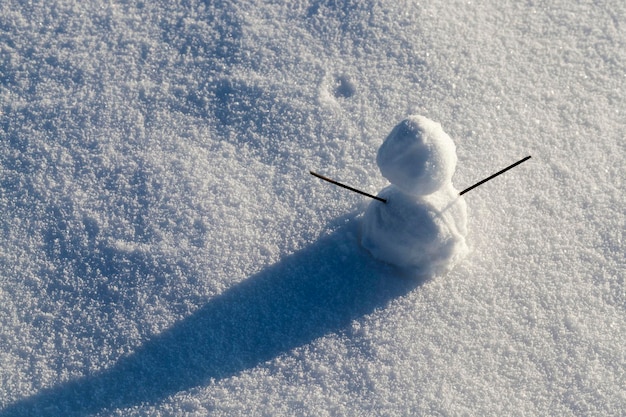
x=422 y=226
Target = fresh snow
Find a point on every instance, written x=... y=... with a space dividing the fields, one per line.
x=164 y=251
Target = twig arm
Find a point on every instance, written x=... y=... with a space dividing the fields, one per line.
x=494 y=175
x=347 y=187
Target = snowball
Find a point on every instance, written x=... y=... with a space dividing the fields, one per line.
x=418 y=156
x=423 y=234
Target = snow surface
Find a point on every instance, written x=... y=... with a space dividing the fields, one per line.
x=164 y=251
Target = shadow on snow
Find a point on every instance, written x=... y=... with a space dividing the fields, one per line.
x=314 y=292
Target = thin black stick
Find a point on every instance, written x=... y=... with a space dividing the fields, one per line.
x=347 y=187
x=494 y=175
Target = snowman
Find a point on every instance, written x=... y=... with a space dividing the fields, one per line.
x=421 y=227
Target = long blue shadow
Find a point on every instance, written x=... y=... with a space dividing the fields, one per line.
x=314 y=292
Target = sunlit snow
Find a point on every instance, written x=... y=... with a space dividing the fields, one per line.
x=164 y=251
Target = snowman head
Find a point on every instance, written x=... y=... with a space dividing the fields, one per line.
x=418 y=157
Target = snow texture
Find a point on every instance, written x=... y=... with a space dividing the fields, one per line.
x=164 y=251
x=421 y=226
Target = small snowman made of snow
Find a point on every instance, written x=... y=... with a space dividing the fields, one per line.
x=422 y=226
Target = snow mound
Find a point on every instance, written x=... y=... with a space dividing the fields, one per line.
x=418 y=157
x=423 y=234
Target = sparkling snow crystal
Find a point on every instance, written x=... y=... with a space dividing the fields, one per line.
x=422 y=226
